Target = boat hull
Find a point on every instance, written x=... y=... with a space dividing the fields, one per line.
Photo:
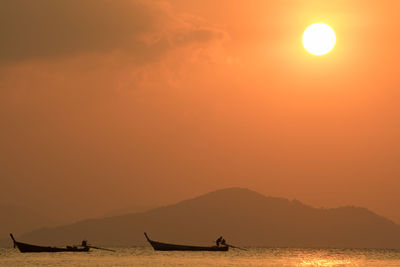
x=173 y=247
x=28 y=248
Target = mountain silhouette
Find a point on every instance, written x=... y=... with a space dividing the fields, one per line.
x=242 y=216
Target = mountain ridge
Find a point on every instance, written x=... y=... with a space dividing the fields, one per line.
x=243 y=216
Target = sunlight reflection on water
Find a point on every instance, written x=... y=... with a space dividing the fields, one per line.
x=145 y=256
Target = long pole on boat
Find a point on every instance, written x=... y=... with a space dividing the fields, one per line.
x=236 y=247
x=101 y=248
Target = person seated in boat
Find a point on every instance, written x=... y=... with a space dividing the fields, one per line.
x=223 y=242
x=84 y=243
x=218 y=241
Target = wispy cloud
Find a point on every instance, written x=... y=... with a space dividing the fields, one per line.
x=45 y=29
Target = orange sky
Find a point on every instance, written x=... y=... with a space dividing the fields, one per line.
x=105 y=104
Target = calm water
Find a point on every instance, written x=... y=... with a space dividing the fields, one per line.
x=145 y=256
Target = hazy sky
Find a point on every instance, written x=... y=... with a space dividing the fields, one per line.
x=105 y=104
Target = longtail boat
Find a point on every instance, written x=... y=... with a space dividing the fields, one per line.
x=23 y=247
x=173 y=247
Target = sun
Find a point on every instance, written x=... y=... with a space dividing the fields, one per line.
x=319 y=39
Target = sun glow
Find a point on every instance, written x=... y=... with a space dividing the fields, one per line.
x=319 y=39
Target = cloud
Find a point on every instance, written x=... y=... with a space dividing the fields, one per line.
x=145 y=30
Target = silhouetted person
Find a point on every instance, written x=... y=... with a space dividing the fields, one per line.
x=218 y=241
x=84 y=243
x=223 y=242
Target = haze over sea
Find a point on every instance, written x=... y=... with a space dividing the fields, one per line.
x=146 y=256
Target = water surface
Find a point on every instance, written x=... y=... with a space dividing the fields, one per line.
x=146 y=256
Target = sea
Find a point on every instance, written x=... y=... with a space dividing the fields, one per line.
x=146 y=256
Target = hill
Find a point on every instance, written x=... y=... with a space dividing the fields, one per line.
x=242 y=216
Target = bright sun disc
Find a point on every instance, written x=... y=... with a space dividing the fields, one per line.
x=319 y=39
